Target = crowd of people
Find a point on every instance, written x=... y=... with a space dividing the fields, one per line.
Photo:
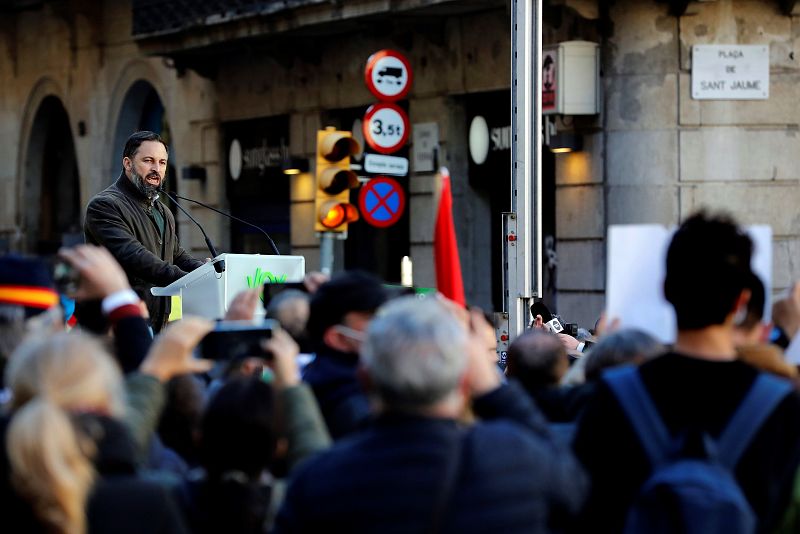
x=373 y=410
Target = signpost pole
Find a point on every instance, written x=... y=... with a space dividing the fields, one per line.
x=525 y=276
x=326 y=253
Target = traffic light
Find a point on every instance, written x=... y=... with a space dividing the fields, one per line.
x=335 y=180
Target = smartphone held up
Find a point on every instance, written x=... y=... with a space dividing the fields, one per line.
x=232 y=340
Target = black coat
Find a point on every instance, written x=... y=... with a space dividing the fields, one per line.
x=340 y=396
x=121 y=219
x=511 y=475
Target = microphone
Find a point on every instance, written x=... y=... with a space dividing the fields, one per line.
x=218 y=266
x=228 y=215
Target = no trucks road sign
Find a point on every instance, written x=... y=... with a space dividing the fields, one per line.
x=388 y=75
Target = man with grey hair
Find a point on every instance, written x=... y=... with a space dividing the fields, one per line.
x=291 y=308
x=415 y=468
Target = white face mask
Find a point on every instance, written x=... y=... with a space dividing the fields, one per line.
x=356 y=335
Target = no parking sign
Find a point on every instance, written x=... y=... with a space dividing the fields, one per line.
x=382 y=201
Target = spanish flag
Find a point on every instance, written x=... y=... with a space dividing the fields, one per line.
x=28 y=296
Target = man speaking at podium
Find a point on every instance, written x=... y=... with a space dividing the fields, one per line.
x=128 y=219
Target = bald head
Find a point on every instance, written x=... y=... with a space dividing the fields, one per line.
x=537 y=359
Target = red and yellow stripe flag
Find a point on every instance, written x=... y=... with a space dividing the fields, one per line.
x=30 y=296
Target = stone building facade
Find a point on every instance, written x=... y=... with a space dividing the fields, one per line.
x=77 y=76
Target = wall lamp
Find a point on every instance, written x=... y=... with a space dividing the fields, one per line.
x=562 y=143
x=293 y=165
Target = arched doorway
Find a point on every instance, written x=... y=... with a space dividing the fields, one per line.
x=51 y=187
x=142 y=109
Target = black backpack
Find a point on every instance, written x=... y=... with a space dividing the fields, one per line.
x=698 y=492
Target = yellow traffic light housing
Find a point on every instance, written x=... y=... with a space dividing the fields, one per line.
x=335 y=180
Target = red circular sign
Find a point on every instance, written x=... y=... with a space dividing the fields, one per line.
x=388 y=75
x=385 y=127
x=382 y=201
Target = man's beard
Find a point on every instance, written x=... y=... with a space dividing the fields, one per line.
x=148 y=190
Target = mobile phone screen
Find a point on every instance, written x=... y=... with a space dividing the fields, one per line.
x=270 y=290
x=232 y=340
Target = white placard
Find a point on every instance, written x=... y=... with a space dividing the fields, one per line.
x=634 y=292
x=426 y=141
x=380 y=164
x=636 y=269
x=730 y=72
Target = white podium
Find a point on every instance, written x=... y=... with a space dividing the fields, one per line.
x=206 y=293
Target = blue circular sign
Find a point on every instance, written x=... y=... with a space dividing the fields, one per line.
x=382 y=201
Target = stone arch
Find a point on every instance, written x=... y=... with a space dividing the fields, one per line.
x=49 y=182
x=137 y=103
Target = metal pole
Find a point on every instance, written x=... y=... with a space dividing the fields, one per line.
x=326 y=253
x=525 y=278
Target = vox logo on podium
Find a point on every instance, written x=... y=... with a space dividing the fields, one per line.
x=260 y=278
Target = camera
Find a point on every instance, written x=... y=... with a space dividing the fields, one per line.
x=231 y=340
x=571 y=329
x=66 y=278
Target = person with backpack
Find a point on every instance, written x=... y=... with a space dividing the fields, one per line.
x=694 y=440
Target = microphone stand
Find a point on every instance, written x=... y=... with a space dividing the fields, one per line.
x=218 y=266
x=271 y=242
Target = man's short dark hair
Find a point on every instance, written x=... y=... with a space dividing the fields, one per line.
x=708 y=266
x=238 y=428
x=134 y=142
x=533 y=359
x=351 y=291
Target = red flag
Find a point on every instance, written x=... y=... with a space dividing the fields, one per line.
x=445 y=247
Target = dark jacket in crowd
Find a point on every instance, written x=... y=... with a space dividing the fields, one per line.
x=121 y=219
x=120 y=502
x=332 y=377
x=690 y=394
x=563 y=404
x=235 y=503
x=509 y=476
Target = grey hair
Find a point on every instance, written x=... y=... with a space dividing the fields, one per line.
x=291 y=308
x=619 y=348
x=415 y=352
